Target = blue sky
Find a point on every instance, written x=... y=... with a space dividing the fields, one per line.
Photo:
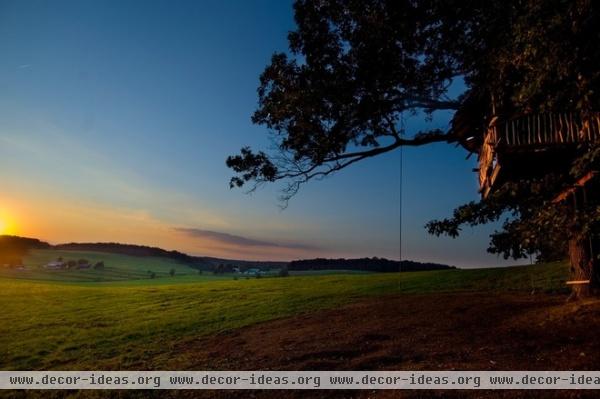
x=116 y=118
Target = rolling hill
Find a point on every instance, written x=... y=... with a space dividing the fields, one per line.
x=206 y=263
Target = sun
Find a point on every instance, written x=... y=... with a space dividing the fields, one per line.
x=7 y=225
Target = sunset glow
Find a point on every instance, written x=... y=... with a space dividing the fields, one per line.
x=9 y=214
x=6 y=225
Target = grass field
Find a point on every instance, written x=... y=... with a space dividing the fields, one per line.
x=117 y=268
x=74 y=323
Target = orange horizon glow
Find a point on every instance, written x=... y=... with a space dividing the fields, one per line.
x=7 y=222
x=57 y=220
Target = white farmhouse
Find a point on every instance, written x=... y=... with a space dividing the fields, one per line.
x=55 y=265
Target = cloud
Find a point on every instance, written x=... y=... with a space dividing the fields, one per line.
x=231 y=239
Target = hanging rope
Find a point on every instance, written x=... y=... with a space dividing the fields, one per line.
x=400 y=221
x=400 y=201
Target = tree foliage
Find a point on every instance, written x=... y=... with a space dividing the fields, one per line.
x=355 y=70
x=547 y=61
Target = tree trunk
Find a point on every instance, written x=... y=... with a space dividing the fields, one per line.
x=583 y=267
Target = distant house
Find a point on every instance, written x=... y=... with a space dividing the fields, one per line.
x=84 y=265
x=57 y=264
x=253 y=271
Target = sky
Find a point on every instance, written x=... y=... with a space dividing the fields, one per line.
x=116 y=118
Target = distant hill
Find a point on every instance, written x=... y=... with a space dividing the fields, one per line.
x=126 y=249
x=198 y=262
x=367 y=264
x=12 y=248
x=7 y=241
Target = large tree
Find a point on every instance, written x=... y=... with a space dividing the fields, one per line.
x=355 y=70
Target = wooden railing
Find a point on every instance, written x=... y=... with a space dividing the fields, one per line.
x=546 y=129
x=532 y=131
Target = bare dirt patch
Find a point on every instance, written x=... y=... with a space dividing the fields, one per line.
x=466 y=331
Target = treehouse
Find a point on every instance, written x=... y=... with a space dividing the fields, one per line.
x=534 y=145
x=530 y=145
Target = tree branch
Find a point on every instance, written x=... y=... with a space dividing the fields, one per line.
x=427 y=103
x=420 y=138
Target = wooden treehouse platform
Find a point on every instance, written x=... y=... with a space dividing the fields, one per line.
x=531 y=145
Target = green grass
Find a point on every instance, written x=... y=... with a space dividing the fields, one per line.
x=135 y=324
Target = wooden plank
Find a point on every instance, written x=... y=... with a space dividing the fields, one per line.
x=544 y=126
x=525 y=127
x=586 y=127
x=531 y=138
x=578 y=282
x=560 y=125
x=540 y=127
x=579 y=183
x=528 y=127
x=551 y=126
x=560 y=129
x=512 y=124
x=494 y=174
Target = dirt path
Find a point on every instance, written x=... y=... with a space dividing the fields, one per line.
x=415 y=332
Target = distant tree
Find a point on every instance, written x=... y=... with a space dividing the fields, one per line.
x=71 y=264
x=200 y=271
x=99 y=265
x=152 y=275
x=284 y=272
x=219 y=269
x=82 y=262
x=366 y=264
x=14 y=248
x=172 y=272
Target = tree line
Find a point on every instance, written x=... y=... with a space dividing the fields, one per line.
x=365 y=264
